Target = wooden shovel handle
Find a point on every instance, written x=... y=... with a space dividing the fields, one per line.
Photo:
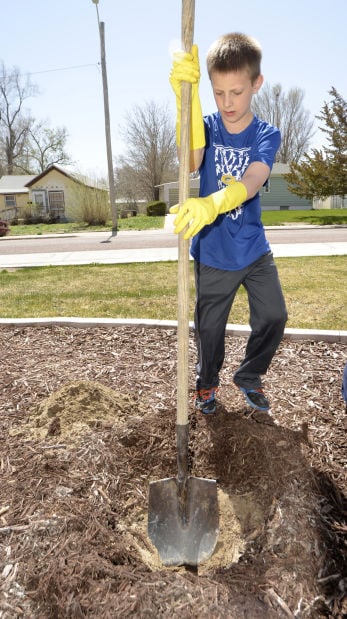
x=188 y=11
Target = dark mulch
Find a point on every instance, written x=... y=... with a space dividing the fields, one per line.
x=76 y=459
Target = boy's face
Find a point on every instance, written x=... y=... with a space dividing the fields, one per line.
x=233 y=92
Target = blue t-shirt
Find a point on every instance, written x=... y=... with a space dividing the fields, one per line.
x=237 y=238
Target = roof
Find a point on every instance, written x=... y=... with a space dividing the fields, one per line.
x=193 y=182
x=74 y=177
x=20 y=183
x=37 y=177
x=15 y=183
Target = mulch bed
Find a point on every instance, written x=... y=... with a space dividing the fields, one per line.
x=87 y=420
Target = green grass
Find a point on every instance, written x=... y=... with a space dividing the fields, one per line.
x=319 y=217
x=140 y=222
x=314 y=289
x=143 y=222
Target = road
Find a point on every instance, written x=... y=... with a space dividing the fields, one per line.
x=102 y=241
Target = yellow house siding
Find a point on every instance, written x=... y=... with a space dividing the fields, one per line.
x=8 y=212
x=74 y=192
x=52 y=193
x=21 y=199
x=53 y=179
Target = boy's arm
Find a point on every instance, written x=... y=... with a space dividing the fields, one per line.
x=196 y=157
x=254 y=178
x=199 y=212
x=185 y=68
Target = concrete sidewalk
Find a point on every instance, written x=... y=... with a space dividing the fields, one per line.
x=124 y=256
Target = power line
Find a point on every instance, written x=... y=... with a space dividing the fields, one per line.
x=80 y=66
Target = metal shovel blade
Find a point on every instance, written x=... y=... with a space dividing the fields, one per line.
x=183 y=519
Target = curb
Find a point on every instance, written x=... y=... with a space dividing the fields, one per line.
x=35 y=237
x=231 y=329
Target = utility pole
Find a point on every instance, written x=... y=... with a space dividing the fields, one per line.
x=101 y=26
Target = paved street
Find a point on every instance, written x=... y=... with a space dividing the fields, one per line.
x=103 y=241
x=153 y=246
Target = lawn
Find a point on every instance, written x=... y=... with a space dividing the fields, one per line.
x=140 y=222
x=321 y=217
x=314 y=288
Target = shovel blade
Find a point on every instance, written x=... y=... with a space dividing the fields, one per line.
x=183 y=526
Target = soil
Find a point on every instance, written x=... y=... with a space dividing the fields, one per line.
x=88 y=419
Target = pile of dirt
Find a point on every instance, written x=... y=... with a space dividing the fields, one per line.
x=75 y=409
x=87 y=420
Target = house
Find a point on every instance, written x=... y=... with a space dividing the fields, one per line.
x=54 y=194
x=275 y=195
x=330 y=202
x=14 y=195
x=168 y=192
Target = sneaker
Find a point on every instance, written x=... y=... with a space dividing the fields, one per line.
x=256 y=398
x=205 y=400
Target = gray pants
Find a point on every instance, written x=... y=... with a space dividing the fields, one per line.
x=215 y=293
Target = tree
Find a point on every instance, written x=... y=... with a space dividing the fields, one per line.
x=286 y=112
x=44 y=147
x=151 y=158
x=25 y=145
x=324 y=172
x=126 y=188
x=14 y=123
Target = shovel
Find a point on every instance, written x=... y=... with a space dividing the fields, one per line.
x=183 y=516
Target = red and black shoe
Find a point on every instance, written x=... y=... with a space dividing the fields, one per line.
x=205 y=400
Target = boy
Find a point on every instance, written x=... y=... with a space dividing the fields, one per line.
x=234 y=152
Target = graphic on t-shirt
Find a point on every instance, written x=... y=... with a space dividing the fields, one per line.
x=231 y=163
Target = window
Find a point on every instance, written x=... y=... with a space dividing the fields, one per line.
x=39 y=198
x=56 y=202
x=10 y=200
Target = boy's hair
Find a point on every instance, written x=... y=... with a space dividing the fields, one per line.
x=234 y=52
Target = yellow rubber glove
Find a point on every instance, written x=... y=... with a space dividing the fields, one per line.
x=198 y=212
x=186 y=68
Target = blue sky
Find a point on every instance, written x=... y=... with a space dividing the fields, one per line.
x=57 y=42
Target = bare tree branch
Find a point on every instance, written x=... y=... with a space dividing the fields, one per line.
x=46 y=146
x=286 y=112
x=151 y=157
x=14 y=121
